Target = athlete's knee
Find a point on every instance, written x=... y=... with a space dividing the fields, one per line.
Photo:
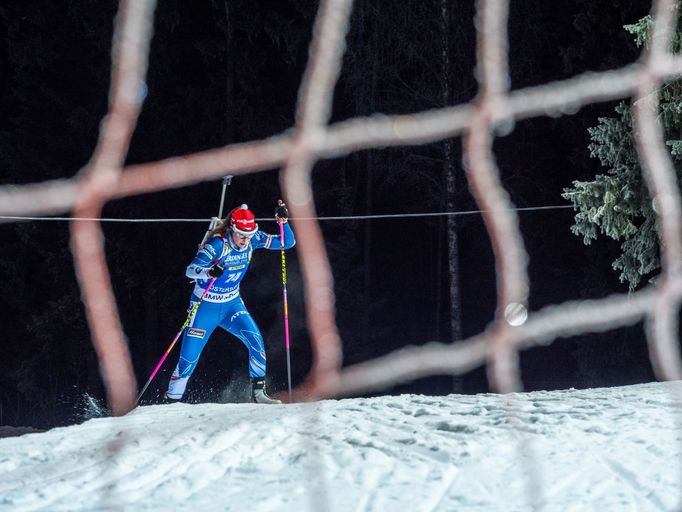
x=254 y=341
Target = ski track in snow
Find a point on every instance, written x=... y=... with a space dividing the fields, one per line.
x=599 y=449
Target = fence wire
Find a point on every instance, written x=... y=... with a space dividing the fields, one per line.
x=312 y=138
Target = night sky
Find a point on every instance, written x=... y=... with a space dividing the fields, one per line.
x=223 y=72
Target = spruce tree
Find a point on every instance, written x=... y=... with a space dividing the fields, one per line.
x=617 y=204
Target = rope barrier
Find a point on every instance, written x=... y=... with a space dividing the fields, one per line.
x=9 y=218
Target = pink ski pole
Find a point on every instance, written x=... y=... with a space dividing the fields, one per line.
x=286 y=307
x=177 y=336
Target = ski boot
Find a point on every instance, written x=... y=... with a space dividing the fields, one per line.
x=258 y=393
x=169 y=400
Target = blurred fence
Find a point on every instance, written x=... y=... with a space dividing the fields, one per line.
x=313 y=138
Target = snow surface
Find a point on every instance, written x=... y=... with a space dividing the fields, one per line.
x=613 y=449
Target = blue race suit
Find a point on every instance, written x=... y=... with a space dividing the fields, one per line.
x=222 y=306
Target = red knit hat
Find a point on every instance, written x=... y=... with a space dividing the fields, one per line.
x=242 y=220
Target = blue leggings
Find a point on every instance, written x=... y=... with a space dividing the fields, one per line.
x=235 y=319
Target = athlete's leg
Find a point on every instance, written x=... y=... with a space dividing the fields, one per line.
x=193 y=342
x=241 y=324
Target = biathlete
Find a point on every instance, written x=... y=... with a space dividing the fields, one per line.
x=226 y=256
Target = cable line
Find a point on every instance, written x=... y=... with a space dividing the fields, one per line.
x=343 y=217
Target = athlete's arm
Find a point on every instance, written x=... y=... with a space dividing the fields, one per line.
x=263 y=240
x=205 y=258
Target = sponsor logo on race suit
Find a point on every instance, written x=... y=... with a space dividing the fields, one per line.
x=238 y=313
x=196 y=333
x=226 y=287
x=223 y=289
x=208 y=250
x=221 y=297
x=236 y=258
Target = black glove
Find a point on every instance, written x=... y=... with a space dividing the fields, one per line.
x=216 y=271
x=281 y=212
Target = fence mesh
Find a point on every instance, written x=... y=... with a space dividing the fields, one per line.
x=312 y=138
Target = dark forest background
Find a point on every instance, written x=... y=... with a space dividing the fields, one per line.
x=226 y=71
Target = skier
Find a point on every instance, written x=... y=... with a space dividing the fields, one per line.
x=226 y=256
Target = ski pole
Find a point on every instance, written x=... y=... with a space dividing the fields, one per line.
x=177 y=336
x=286 y=307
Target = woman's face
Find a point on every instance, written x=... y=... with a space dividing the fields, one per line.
x=240 y=240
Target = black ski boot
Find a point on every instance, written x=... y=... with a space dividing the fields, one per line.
x=258 y=394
